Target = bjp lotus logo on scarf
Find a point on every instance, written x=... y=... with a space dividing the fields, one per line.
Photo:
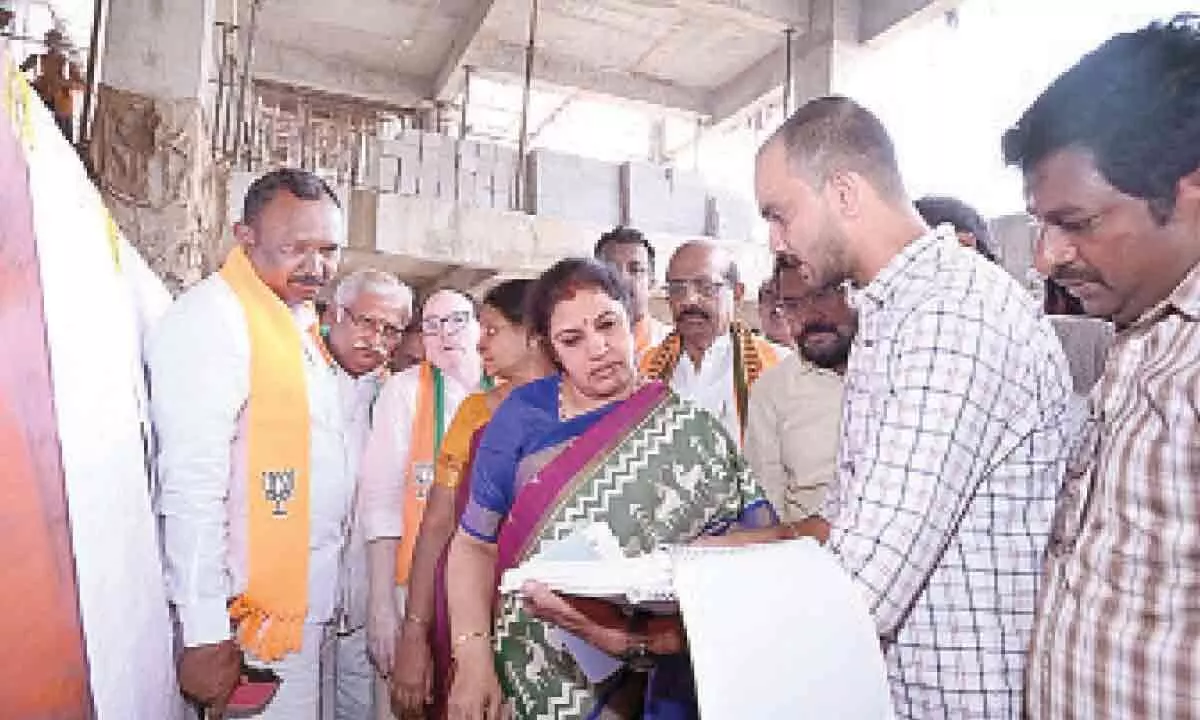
x=278 y=486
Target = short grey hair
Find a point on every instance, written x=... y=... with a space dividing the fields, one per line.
x=374 y=282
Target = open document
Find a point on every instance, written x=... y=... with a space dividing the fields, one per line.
x=775 y=630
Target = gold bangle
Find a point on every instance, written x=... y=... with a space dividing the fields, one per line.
x=415 y=620
x=467 y=637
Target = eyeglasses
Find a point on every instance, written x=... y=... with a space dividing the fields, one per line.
x=451 y=324
x=794 y=305
x=383 y=328
x=631 y=269
x=703 y=287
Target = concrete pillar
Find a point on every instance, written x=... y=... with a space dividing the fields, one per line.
x=825 y=56
x=658 y=142
x=151 y=146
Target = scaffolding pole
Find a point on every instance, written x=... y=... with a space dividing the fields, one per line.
x=466 y=102
x=243 y=89
x=95 y=47
x=788 y=36
x=522 y=140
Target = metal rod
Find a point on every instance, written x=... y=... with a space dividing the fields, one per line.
x=466 y=102
x=95 y=45
x=788 y=35
x=242 y=90
x=522 y=140
x=220 y=98
x=229 y=68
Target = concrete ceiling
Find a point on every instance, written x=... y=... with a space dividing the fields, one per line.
x=677 y=54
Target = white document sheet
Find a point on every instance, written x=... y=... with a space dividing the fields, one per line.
x=779 y=631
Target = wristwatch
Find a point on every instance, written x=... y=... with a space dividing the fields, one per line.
x=638 y=657
x=637 y=654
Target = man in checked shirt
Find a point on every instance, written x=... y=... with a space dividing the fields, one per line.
x=954 y=428
x=1111 y=156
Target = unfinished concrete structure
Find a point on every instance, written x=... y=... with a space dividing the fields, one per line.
x=427 y=116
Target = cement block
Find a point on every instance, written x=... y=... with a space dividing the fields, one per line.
x=574 y=188
x=663 y=200
x=389 y=174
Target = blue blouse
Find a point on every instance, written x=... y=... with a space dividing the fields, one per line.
x=526 y=422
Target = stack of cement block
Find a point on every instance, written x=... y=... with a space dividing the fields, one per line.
x=440 y=167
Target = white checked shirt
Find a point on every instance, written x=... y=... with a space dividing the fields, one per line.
x=956 y=402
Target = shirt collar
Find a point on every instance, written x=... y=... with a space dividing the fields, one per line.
x=891 y=278
x=1184 y=299
x=720 y=347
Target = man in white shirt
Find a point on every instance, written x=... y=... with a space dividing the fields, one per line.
x=796 y=407
x=397 y=468
x=204 y=358
x=365 y=322
x=709 y=358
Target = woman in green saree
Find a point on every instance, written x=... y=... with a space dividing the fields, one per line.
x=592 y=443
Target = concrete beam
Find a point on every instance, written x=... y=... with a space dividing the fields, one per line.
x=494 y=57
x=821 y=58
x=882 y=18
x=748 y=86
x=762 y=15
x=450 y=76
x=164 y=54
x=300 y=66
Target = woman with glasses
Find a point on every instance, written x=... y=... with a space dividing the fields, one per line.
x=592 y=440
x=512 y=356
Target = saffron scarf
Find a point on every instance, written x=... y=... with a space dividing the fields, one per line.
x=270 y=613
x=425 y=440
x=752 y=357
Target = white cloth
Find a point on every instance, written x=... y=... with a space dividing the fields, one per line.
x=384 y=467
x=817 y=654
x=199 y=363
x=711 y=385
x=358 y=398
x=350 y=688
x=299 y=694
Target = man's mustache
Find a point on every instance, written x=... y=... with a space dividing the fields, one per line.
x=1065 y=274
x=695 y=312
x=818 y=328
x=371 y=348
x=307 y=280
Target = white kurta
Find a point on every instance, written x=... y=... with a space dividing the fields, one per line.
x=199 y=362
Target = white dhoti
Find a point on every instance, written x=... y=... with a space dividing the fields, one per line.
x=299 y=694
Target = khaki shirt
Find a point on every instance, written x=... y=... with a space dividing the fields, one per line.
x=792 y=435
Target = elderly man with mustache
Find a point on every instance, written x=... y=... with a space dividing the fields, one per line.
x=709 y=358
x=363 y=325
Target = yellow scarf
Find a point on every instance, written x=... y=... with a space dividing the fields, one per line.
x=270 y=613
